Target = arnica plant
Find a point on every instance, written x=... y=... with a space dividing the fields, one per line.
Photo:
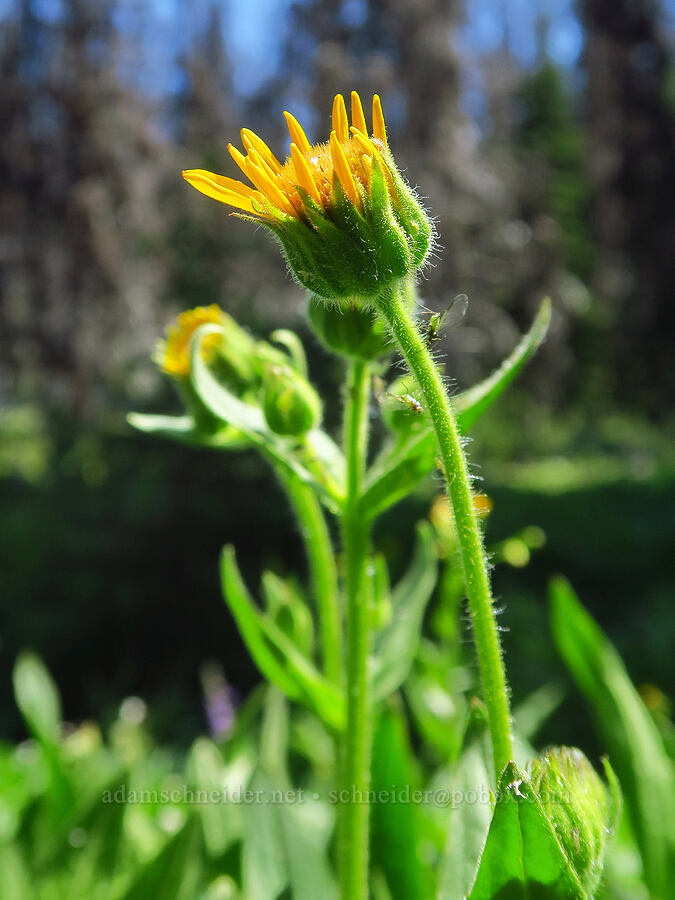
x=352 y=664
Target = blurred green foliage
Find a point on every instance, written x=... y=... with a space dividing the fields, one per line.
x=251 y=813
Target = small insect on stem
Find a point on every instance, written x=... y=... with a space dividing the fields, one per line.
x=406 y=398
x=454 y=313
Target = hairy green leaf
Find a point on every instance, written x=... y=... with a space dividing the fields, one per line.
x=523 y=859
x=397 y=471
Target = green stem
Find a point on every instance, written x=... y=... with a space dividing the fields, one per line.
x=486 y=633
x=357 y=748
x=322 y=570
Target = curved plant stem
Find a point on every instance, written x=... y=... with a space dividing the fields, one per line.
x=421 y=364
x=322 y=570
x=357 y=747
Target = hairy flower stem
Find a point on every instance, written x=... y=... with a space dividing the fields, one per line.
x=357 y=746
x=322 y=570
x=486 y=634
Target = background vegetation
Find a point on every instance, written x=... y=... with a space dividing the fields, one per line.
x=543 y=138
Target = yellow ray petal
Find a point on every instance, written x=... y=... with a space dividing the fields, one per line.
x=229 y=184
x=379 y=128
x=205 y=186
x=363 y=141
x=342 y=170
x=358 y=119
x=251 y=140
x=298 y=136
x=340 y=123
x=304 y=174
x=260 y=162
x=367 y=164
x=266 y=186
x=238 y=157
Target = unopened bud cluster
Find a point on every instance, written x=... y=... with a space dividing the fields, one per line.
x=253 y=371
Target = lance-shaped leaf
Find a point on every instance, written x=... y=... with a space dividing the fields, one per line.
x=523 y=859
x=276 y=656
x=324 y=460
x=468 y=824
x=397 y=471
x=407 y=461
x=175 y=873
x=207 y=771
x=634 y=744
x=37 y=697
x=293 y=344
x=249 y=420
x=471 y=404
x=183 y=430
x=396 y=645
x=286 y=844
x=395 y=829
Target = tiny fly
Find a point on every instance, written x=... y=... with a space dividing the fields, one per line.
x=453 y=315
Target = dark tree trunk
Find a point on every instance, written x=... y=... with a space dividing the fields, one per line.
x=632 y=166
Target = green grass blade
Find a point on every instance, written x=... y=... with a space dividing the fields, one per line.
x=632 y=739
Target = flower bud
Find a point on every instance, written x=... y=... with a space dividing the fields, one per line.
x=348 y=328
x=290 y=403
x=578 y=805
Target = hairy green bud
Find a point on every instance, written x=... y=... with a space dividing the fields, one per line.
x=348 y=328
x=578 y=805
x=290 y=404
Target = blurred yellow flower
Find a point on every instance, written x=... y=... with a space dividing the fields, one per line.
x=174 y=352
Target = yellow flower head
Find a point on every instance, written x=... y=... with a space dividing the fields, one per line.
x=174 y=353
x=348 y=222
x=277 y=187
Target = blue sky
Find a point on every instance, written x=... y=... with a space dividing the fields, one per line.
x=255 y=32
